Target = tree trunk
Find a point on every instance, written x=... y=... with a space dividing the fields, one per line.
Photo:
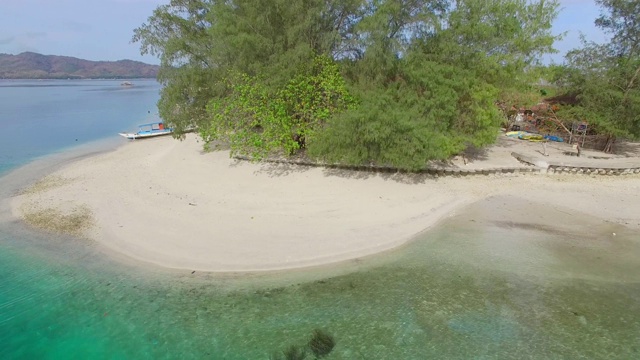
x=608 y=146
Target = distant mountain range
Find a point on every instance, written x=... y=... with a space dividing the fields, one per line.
x=29 y=65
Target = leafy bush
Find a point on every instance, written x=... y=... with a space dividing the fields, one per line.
x=257 y=120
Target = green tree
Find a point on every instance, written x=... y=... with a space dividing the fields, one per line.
x=275 y=75
x=430 y=112
x=605 y=78
x=496 y=39
x=199 y=42
x=621 y=19
x=178 y=33
x=430 y=77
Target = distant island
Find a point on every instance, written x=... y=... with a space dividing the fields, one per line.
x=29 y=65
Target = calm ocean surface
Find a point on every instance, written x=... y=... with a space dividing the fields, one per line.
x=466 y=290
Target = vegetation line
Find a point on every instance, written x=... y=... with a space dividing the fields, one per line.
x=389 y=83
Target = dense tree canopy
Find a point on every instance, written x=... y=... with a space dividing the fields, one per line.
x=605 y=78
x=385 y=82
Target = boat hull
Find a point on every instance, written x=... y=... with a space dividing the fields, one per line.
x=146 y=134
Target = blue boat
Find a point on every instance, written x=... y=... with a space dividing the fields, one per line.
x=148 y=130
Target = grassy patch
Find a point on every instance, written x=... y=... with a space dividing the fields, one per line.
x=53 y=220
x=45 y=184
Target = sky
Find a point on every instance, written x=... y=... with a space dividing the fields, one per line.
x=575 y=17
x=102 y=29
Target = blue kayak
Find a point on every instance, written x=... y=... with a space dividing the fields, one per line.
x=554 y=138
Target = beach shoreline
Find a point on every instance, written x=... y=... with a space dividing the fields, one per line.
x=167 y=203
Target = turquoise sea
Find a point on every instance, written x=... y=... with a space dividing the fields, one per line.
x=475 y=287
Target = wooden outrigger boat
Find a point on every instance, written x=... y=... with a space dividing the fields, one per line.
x=148 y=130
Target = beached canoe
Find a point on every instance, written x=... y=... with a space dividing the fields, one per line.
x=147 y=131
x=516 y=134
x=531 y=137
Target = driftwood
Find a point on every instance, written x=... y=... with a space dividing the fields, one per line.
x=554 y=119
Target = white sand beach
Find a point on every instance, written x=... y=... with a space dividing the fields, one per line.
x=166 y=202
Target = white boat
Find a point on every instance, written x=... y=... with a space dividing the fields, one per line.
x=148 y=130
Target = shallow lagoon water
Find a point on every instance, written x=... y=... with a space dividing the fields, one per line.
x=417 y=302
x=41 y=117
x=482 y=284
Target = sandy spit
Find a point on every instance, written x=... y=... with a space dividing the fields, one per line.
x=166 y=202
